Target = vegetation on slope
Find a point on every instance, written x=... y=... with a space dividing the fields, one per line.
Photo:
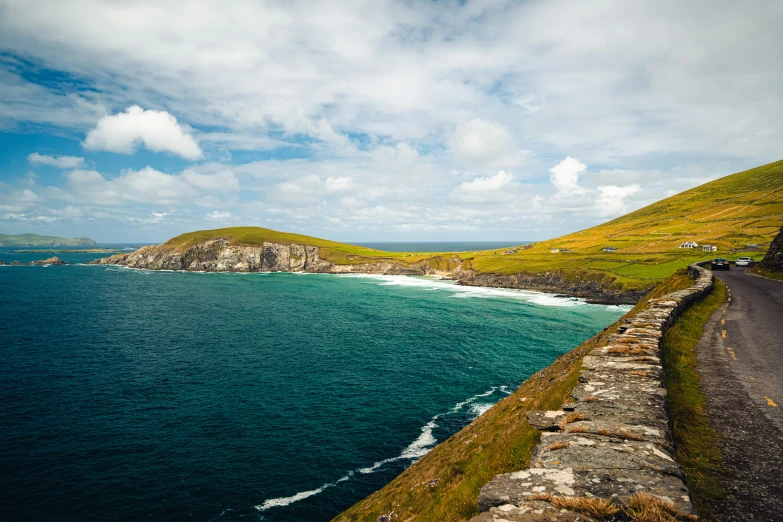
x=695 y=440
x=34 y=240
x=444 y=484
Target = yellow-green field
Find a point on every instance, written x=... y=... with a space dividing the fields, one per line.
x=730 y=213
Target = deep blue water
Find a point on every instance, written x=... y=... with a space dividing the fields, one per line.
x=131 y=394
x=441 y=246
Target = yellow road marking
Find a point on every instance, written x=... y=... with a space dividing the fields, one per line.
x=729 y=299
x=723 y=333
x=731 y=352
x=723 y=321
x=770 y=402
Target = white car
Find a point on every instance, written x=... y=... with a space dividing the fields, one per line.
x=744 y=261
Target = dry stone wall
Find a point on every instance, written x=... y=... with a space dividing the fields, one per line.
x=614 y=441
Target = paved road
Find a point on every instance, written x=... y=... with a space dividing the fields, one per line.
x=741 y=365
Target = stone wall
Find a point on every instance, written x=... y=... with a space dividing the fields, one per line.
x=614 y=441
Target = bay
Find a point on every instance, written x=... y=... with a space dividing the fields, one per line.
x=130 y=394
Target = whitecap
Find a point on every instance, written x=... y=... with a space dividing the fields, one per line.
x=461 y=291
x=284 y=501
x=460 y=405
x=479 y=408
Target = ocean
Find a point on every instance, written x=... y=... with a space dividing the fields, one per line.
x=133 y=394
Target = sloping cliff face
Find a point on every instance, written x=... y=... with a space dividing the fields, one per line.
x=217 y=255
x=592 y=290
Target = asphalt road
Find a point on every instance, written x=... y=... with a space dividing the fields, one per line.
x=741 y=366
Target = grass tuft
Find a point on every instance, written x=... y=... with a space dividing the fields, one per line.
x=643 y=507
x=596 y=507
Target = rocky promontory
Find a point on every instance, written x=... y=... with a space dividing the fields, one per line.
x=221 y=255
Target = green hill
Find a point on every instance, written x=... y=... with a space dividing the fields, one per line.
x=34 y=240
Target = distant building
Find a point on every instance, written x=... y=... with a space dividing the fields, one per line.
x=609 y=249
x=526 y=247
x=689 y=244
x=709 y=248
x=752 y=246
x=511 y=251
x=555 y=250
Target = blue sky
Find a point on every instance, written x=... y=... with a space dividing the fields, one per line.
x=375 y=121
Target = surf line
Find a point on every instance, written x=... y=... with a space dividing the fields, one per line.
x=414 y=451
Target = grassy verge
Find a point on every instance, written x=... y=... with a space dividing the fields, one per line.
x=500 y=441
x=696 y=442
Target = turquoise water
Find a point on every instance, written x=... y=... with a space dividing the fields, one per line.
x=130 y=394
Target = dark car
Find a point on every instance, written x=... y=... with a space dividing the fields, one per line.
x=720 y=264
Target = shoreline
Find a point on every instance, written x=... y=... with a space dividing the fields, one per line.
x=446 y=281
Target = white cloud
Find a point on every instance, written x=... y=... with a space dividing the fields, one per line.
x=61 y=162
x=610 y=202
x=483 y=190
x=157 y=130
x=219 y=216
x=148 y=186
x=484 y=143
x=221 y=181
x=311 y=188
x=565 y=175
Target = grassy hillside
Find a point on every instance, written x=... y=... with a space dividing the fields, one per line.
x=34 y=240
x=730 y=212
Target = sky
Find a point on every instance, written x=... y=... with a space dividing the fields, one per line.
x=375 y=121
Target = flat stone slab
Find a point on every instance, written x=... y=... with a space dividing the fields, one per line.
x=658 y=435
x=615 y=484
x=647 y=376
x=545 y=420
x=588 y=451
x=530 y=511
x=634 y=415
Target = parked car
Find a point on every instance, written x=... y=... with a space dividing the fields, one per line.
x=720 y=264
x=745 y=261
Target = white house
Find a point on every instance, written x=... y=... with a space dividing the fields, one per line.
x=609 y=249
x=709 y=248
x=555 y=250
x=689 y=244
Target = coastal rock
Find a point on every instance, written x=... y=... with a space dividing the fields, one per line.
x=41 y=262
x=594 y=291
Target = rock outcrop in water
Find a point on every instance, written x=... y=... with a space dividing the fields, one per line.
x=50 y=261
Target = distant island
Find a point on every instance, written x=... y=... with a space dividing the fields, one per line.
x=34 y=240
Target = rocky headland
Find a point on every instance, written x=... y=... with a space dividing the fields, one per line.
x=220 y=255
x=50 y=261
